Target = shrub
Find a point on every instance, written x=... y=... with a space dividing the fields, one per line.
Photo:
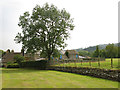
x=9 y=63
x=34 y=64
x=14 y=65
x=18 y=59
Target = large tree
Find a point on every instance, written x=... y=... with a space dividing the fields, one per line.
x=111 y=52
x=46 y=29
x=96 y=52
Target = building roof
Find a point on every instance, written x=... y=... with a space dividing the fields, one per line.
x=62 y=52
x=81 y=57
x=9 y=56
x=17 y=52
x=72 y=52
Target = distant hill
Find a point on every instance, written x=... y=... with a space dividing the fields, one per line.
x=78 y=49
x=93 y=48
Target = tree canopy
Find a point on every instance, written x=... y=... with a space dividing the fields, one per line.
x=111 y=51
x=46 y=29
x=96 y=52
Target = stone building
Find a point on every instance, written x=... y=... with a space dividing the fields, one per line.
x=72 y=54
x=9 y=56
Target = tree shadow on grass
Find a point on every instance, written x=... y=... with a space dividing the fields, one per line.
x=21 y=70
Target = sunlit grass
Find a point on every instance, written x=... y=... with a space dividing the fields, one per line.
x=24 y=78
x=103 y=64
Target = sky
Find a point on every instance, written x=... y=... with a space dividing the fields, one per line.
x=96 y=21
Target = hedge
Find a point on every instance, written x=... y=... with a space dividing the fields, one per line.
x=12 y=66
x=34 y=64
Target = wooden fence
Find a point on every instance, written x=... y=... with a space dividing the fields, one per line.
x=75 y=62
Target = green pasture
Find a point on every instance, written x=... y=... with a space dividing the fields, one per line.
x=103 y=64
x=25 y=78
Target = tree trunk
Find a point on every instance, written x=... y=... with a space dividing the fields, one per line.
x=111 y=62
x=23 y=52
x=48 y=61
x=75 y=62
x=49 y=57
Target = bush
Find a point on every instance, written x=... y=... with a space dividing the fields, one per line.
x=34 y=64
x=13 y=65
x=18 y=59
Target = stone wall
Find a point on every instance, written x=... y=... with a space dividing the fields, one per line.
x=95 y=72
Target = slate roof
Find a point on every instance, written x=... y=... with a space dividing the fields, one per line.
x=72 y=52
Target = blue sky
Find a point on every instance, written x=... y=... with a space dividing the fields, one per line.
x=96 y=21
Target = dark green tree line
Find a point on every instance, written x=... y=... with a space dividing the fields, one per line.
x=110 y=51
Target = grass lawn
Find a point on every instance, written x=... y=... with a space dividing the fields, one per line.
x=26 y=78
x=103 y=64
x=0 y=79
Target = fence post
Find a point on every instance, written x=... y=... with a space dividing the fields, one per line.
x=63 y=62
x=111 y=63
x=81 y=61
x=75 y=62
x=98 y=61
x=90 y=62
x=66 y=63
x=58 y=62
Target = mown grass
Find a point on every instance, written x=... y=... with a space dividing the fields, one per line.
x=0 y=78
x=103 y=64
x=25 y=78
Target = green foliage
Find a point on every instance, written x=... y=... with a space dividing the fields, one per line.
x=118 y=52
x=12 y=51
x=18 y=59
x=67 y=54
x=102 y=53
x=102 y=47
x=84 y=53
x=96 y=52
x=56 y=53
x=2 y=53
x=93 y=48
x=46 y=29
x=12 y=65
x=9 y=63
x=34 y=64
x=111 y=50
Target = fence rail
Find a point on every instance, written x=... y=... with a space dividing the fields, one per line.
x=80 y=62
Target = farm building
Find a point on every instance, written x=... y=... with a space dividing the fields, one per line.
x=9 y=56
x=62 y=55
x=72 y=54
x=69 y=54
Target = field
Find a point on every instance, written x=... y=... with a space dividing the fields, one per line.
x=26 y=78
x=103 y=64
